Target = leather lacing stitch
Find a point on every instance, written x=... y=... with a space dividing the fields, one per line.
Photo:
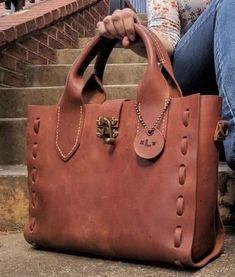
x=178 y=238
x=33 y=174
x=66 y=156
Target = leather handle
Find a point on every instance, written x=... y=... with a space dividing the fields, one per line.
x=75 y=83
x=162 y=57
x=103 y=56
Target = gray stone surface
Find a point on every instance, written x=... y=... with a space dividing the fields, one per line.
x=15 y=101
x=118 y=55
x=227 y=194
x=18 y=259
x=12 y=141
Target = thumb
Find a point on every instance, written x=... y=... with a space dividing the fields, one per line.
x=126 y=42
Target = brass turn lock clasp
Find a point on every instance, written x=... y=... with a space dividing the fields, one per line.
x=222 y=130
x=107 y=129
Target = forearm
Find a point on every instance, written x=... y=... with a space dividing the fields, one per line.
x=166 y=42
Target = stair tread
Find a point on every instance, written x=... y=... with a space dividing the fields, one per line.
x=17 y=258
x=61 y=87
x=57 y=74
x=13 y=170
x=91 y=65
x=10 y=119
x=118 y=55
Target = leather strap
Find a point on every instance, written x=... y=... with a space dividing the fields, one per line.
x=162 y=56
x=164 y=59
x=75 y=83
x=166 y=74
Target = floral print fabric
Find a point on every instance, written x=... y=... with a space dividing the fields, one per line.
x=174 y=17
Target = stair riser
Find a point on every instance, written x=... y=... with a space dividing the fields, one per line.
x=12 y=141
x=117 y=56
x=14 y=201
x=14 y=102
x=44 y=76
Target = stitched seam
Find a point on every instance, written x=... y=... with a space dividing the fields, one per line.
x=68 y=155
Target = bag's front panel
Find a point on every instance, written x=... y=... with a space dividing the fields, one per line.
x=105 y=199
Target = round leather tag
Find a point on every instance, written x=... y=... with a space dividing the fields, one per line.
x=149 y=146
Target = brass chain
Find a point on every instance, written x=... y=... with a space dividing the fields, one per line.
x=158 y=121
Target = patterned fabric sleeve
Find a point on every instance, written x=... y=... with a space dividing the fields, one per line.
x=163 y=16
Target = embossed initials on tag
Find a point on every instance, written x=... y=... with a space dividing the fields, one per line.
x=147 y=143
x=149 y=146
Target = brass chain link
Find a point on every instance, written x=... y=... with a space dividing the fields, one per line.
x=158 y=121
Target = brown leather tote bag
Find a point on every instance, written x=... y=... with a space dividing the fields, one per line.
x=130 y=179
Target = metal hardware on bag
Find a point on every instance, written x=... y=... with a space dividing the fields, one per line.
x=222 y=130
x=156 y=125
x=149 y=146
x=107 y=129
x=149 y=143
x=160 y=65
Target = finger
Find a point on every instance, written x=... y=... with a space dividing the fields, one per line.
x=118 y=23
x=102 y=30
x=126 y=42
x=128 y=22
x=108 y=23
x=136 y=19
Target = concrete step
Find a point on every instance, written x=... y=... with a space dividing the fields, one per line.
x=119 y=55
x=55 y=75
x=13 y=188
x=17 y=258
x=14 y=101
x=12 y=140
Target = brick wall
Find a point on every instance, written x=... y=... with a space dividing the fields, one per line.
x=37 y=47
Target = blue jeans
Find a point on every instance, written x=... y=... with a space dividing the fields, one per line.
x=204 y=61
